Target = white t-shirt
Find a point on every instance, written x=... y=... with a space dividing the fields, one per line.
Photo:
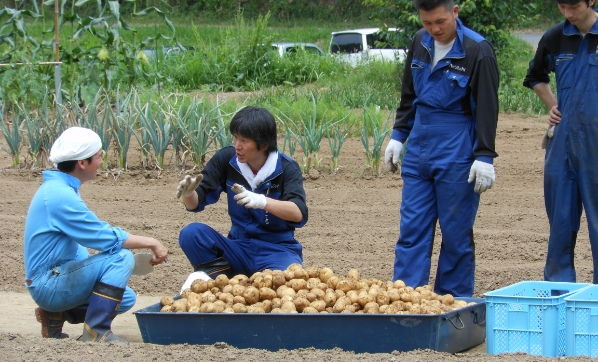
x=440 y=50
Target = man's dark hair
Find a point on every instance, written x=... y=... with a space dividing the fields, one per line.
x=257 y=124
x=572 y=2
x=428 y=5
x=69 y=166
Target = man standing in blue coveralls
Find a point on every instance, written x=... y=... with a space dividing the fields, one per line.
x=569 y=49
x=448 y=113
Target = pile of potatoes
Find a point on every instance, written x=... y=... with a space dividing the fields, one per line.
x=308 y=290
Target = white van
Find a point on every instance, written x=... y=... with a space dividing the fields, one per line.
x=360 y=45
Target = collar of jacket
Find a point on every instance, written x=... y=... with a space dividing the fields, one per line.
x=456 y=51
x=71 y=181
x=277 y=171
x=570 y=29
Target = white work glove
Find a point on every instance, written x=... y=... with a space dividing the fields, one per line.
x=392 y=154
x=547 y=136
x=198 y=275
x=483 y=175
x=249 y=199
x=188 y=185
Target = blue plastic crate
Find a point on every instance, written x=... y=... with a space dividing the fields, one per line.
x=452 y=331
x=582 y=323
x=528 y=317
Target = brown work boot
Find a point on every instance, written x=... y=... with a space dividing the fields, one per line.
x=52 y=323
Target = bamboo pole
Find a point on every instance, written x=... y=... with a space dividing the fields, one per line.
x=36 y=63
x=57 y=68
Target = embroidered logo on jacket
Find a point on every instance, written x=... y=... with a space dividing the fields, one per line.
x=458 y=68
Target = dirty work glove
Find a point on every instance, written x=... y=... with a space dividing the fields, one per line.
x=483 y=175
x=187 y=185
x=392 y=154
x=249 y=199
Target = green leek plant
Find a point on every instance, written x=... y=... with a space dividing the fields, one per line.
x=339 y=131
x=156 y=127
x=11 y=130
x=198 y=137
x=375 y=131
x=123 y=126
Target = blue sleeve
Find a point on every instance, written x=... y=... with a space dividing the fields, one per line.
x=72 y=217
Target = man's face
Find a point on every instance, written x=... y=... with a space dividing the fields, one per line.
x=441 y=23
x=90 y=168
x=576 y=13
x=247 y=150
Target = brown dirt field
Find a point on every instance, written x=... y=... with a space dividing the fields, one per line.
x=353 y=224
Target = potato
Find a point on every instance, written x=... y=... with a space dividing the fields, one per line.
x=301 y=303
x=302 y=293
x=267 y=293
x=276 y=302
x=239 y=308
x=289 y=274
x=283 y=290
x=399 y=283
x=339 y=293
x=382 y=298
x=227 y=289
x=447 y=299
x=371 y=307
x=353 y=295
x=228 y=310
x=193 y=308
x=168 y=300
x=180 y=305
x=256 y=308
x=325 y=274
x=309 y=310
x=350 y=308
x=207 y=308
x=267 y=305
x=263 y=281
x=300 y=274
x=199 y=286
x=241 y=279
x=353 y=274
x=185 y=293
x=310 y=296
x=341 y=304
x=313 y=272
x=251 y=295
x=278 y=279
x=227 y=298
x=239 y=299
x=294 y=267
x=193 y=299
x=277 y=311
x=394 y=295
x=297 y=284
x=330 y=298
x=220 y=281
x=318 y=305
x=237 y=289
x=333 y=281
x=313 y=283
x=208 y=297
x=288 y=307
x=348 y=284
x=166 y=308
x=364 y=298
x=319 y=293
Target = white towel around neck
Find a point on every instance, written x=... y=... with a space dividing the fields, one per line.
x=265 y=171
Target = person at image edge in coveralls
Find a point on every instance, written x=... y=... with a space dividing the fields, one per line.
x=266 y=202
x=569 y=49
x=448 y=114
x=64 y=280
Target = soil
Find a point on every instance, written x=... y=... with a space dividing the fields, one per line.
x=353 y=223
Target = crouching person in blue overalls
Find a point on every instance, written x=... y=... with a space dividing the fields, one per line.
x=448 y=115
x=266 y=203
x=64 y=280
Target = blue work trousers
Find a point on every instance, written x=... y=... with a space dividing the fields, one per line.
x=70 y=284
x=435 y=170
x=203 y=244
x=571 y=186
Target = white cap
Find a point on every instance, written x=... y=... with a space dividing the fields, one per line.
x=75 y=143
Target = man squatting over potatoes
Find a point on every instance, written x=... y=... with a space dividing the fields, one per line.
x=64 y=280
x=266 y=202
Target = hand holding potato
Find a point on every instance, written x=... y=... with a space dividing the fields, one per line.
x=188 y=185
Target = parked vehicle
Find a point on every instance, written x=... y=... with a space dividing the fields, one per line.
x=283 y=48
x=168 y=50
x=357 y=46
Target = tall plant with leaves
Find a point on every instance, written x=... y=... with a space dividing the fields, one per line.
x=123 y=126
x=10 y=127
x=115 y=58
x=373 y=133
x=156 y=126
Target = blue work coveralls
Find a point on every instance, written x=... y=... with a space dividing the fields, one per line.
x=448 y=117
x=257 y=239
x=571 y=160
